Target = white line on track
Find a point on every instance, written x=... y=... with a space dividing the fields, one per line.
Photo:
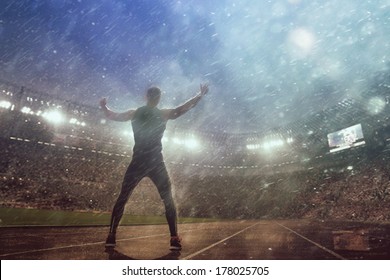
x=82 y=245
x=185 y=258
x=76 y=246
x=313 y=242
x=219 y=242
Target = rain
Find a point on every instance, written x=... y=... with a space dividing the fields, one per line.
x=295 y=124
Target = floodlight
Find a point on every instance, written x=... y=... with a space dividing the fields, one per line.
x=54 y=116
x=73 y=121
x=26 y=110
x=271 y=144
x=5 y=104
x=252 y=146
x=191 y=143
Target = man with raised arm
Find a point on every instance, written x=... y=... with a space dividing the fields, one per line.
x=148 y=124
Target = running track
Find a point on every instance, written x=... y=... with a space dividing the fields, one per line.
x=230 y=240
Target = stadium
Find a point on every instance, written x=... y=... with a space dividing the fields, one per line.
x=331 y=166
x=284 y=157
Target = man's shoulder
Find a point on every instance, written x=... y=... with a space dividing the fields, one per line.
x=166 y=113
x=141 y=109
x=151 y=110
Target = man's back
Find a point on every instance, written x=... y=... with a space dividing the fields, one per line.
x=148 y=128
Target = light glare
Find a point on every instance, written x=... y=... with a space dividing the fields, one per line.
x=191 y=143
x=5 y=104
x=55 y=117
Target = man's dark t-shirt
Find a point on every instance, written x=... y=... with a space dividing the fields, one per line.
x=148 y=128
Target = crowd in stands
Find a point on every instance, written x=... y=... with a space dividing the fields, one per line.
x=80 y=168
x=361 y=193
x=57 y=177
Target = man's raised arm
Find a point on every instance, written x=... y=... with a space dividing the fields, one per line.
x=114 y=116
x=172 y=114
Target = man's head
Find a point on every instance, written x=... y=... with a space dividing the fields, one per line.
x=153 y=95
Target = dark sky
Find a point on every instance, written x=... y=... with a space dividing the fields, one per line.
x=266 y=61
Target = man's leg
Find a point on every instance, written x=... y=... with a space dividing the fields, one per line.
x=132 y=177
x=160 y=178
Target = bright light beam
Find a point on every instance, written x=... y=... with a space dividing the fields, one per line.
x=55 y=116
x=5 y=104
x=271 y=144
x=191 y=144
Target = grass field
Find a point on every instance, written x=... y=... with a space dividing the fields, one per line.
x=36 y=217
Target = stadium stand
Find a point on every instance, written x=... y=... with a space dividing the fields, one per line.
x=58 y=154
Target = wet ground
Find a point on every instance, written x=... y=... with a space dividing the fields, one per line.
x=230 y=240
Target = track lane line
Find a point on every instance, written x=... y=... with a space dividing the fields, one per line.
x=313 y=242
x=86 y=244
x=219 y=242
x=77 y=245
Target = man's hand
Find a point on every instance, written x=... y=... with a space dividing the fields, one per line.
x=103 y=102
x=115 y=116
x=204 y=89
x=171 y=114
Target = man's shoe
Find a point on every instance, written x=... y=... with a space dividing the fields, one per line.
x=111 y=241
x=175 y=243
